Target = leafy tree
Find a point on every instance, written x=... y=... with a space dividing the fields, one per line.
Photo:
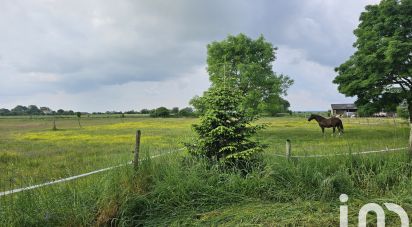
x=379 y=72
x=224 y=130
x=4 y=112
x=145 y=111
x=175 y=111
x=160 y=112
x=198 y=103
x=367 y=110
x=131 y=112
x=402 y=111
x=19 y=110
x=186 y=112
x=246 y=65
x=60 y=111
x=276 y=105
x=70 y=112
x=78 y=114
x=33 y=110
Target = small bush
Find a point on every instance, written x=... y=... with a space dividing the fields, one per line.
x=225 y=130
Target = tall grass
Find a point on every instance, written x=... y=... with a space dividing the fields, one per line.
x=176 y=189
x=180 y=191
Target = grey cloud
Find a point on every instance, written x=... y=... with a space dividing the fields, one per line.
x=93 y=43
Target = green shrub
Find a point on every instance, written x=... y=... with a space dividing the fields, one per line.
x=224 y=130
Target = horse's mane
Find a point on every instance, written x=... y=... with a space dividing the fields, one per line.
x=318 y=116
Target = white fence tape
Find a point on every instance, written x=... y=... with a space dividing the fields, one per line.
x=332 y=155
x=155 y=156
x=75 y=177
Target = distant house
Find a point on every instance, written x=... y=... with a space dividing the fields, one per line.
x=347 y=110
x=385 y=114
x=46 y=110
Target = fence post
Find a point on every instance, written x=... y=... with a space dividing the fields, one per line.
x=136 y=150
x=288 y=149
x=54 y=124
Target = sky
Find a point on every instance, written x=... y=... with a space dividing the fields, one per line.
x=101 y=55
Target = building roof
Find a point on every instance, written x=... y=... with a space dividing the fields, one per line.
x=344 y=106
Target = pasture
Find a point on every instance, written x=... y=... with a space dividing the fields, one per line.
x=176 y=189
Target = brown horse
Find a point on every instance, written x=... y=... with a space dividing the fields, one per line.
x=332 y=122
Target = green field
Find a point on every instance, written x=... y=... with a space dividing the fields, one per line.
x=178 y=190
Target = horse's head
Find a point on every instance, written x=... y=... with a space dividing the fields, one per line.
x=311 y=117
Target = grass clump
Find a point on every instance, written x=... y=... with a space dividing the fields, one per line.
x=191 y=191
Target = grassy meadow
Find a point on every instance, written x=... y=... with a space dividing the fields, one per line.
x=176 y=189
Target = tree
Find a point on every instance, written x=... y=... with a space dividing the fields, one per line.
x=224 y=130
x=245 y=64
x=402 y=111
x=276 y=105
x=186 y=112
x=78 y=114
x=198 y=103
x=175 y=111
x=145 y=111
x=160 y=112
x=19 y=110
x=33 y=110
x=60 y=111
x=379 y=72
x=4 y=112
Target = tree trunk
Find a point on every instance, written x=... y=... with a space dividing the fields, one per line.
x=410 y=126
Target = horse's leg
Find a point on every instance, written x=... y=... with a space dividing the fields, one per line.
x=323 y=131
x=334 y=131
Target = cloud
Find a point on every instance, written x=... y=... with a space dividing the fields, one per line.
x=313 y=88
x=82 y=47
x=123 y=97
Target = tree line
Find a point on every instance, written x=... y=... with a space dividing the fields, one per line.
x=31 y=110
x=20 y=110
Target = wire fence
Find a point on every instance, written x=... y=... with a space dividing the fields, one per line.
x=302 y=147
x=12 y=191
x=386 y=150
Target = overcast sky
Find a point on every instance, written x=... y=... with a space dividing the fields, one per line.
x=98 y=55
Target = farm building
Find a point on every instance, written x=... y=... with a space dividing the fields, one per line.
x=344 y=109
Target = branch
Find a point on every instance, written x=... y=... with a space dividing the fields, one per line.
x=407 y=80
x=402 y=86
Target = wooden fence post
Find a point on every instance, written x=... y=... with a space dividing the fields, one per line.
x=136 y=150
x=288 y=149
x=54 y=124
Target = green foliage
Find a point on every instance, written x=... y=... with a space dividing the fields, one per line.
x=367 y=110
x=4 y=112
x=199 y=104
x=225 y=129
x=246 y=64
x=402 y=111
x=160 y=112
x=174 y=111
x=186 y=112
x=145 y=111
x=379 y=72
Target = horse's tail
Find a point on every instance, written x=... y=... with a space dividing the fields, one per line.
x=341 y=126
